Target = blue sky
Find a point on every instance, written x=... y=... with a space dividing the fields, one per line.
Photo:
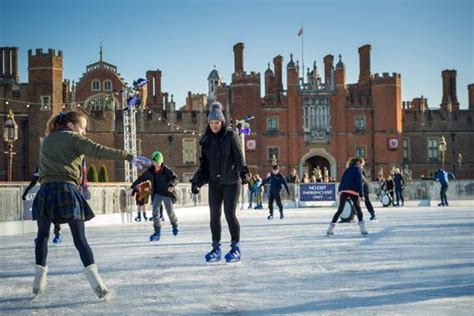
x=184 y=39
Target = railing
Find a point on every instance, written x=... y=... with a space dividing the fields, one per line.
x=115 y=197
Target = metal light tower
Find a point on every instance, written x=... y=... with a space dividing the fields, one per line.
x=130 y=100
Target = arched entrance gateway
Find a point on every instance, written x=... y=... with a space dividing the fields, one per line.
x=318 y=157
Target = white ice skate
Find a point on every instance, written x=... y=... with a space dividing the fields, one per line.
x=39 y=283
x=363 y=231
x=98 y=286
x=330 y=231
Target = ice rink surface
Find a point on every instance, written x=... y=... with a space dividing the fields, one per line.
x=415 y=261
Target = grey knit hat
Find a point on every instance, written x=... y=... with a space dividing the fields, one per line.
x=216 y=113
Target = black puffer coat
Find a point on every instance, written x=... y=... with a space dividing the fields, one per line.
x=227 y=147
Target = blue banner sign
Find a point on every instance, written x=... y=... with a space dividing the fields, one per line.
x=317 y=192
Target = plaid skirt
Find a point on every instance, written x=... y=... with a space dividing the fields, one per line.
x=61 y=202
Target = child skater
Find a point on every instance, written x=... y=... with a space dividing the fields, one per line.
x=277 y=181
x=164 y=181
x=142 y=196
x=59 y=200
x=350 y=188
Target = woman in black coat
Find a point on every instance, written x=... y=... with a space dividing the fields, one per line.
x=221 y=165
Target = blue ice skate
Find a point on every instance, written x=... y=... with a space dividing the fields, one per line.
x=58 y=239
x=175 y=230
x=215 y=254
x=156 y=236
x=233 y=256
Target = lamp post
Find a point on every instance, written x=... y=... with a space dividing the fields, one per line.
x=442 y=147
x=10 y=135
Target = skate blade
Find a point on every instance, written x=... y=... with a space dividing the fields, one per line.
x=230 y=263
x=214 y=263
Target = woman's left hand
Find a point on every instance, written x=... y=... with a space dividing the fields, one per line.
x=171 y=189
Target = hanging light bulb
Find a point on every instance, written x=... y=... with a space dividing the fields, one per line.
x=27 y=105
x=6 y=102
x=159 y=118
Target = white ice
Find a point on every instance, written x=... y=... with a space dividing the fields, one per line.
x=415 y=261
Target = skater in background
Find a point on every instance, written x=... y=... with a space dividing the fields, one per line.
x=277 y=181
x=164 y=181
x=259 y=191
x=306 y=178
x=388 y=187
x=59 y=199
x=365 y=189
x=292 y=177
x=442 y=176
x=251 y=191
x=399 y=181
x=221 y=165
x=350 y=188
x=57 y=228
x=142 y=195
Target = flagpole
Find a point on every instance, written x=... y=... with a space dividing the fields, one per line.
x=302 y=50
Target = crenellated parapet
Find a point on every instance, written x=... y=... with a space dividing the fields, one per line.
x=386 y=78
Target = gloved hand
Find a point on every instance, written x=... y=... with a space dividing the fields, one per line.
x=23 y=197
x=134 y=191
x=141 y=162
x=245 y=177
x=194 y=188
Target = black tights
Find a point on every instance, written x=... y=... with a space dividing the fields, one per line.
x=229 y=194
x=78 y=235
x=342 y=203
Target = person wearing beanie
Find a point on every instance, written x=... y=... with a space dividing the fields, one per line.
x=221 y=165
x=163 y=181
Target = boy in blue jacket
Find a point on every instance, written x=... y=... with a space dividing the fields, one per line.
x=276 y=182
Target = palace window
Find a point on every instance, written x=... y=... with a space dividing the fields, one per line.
x=406 y=149
x=189 y=151
x=107 y=85
x=95 y=85
x=359 y=123
x=273 y=153
x=361 y=151
x=432 y=149
x=272 y=123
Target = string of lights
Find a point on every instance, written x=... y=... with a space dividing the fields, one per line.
x=79 y=104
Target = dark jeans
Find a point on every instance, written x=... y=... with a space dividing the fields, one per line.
x=78 y=235
x=444 y=199
x=342 y=202
x=399 y=194
x=251 y=195
x=369 y=206
x=229 y=195
x=277 y=198
x=57 y=229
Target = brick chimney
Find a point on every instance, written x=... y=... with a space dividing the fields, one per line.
x=239 y=57
x=277 y=65
x=328 y=66
x=364 y=64
x=449 y=90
